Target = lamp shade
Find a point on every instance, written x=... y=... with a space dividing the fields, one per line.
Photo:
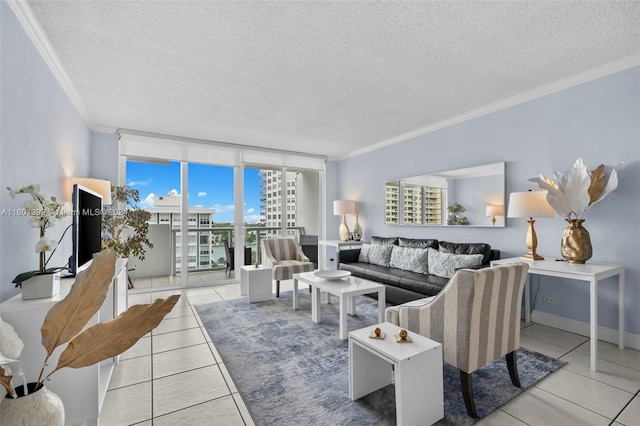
x=529 y=204
x=341 y=207
x=101 y=186
x=495 y=210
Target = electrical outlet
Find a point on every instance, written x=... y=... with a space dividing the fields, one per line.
x=550 y=300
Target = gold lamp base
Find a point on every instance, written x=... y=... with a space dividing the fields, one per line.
x=532 y=242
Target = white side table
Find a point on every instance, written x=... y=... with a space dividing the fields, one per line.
x=256 y=283
x=418 y=372
x=338 y=245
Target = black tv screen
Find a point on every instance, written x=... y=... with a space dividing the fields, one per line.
x=87 y=226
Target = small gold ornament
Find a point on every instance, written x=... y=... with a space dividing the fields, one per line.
x=403 y=337
x=377 y=334
x=257 y=265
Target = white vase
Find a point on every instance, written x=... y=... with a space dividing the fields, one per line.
x=41 y=286
x=41 y=407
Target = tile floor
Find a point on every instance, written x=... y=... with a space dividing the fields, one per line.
x=176 y=377
x=195 y=278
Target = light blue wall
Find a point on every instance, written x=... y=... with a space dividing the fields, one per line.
x=42 y=140
x=598 y=121
x=105 y=156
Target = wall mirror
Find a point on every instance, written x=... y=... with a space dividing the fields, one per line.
x=472 y=196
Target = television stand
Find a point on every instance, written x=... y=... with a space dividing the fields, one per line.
x=82 y=390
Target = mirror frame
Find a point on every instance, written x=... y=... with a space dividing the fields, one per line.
x=435 y=188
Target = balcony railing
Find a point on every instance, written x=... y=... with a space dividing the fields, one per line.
x=213 y=237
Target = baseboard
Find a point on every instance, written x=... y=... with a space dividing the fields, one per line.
x=582 y=328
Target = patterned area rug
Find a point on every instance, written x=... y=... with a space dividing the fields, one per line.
x=291 y=371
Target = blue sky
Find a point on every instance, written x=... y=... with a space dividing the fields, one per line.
x=209 y=187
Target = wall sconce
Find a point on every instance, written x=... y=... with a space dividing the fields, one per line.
x=493 y=211
x=344 y=207
x=530 y=204
x=101 y=186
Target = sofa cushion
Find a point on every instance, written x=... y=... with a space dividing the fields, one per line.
x=376 y=254
x=445 y=264
x=467 y=248
x=417 y=243
x=409 y=259
x=384 y=240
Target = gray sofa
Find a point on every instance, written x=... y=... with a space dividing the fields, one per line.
x=417 y=268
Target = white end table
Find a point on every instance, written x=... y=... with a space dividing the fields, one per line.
x=338 y=245
x=418 y=372
x=256 y=283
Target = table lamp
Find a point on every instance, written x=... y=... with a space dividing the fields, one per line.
x=530 y=204
x=344 y=207
x=101 y=186
x=493 y=211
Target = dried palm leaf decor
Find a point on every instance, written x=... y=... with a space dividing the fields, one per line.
x=65 y=321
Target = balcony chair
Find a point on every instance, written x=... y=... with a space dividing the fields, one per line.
x=476 y=317
x=309 y=244
x=231 y=256
x=286 y=258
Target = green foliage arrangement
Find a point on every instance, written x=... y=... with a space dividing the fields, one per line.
x=454 y=217
x=126 y=226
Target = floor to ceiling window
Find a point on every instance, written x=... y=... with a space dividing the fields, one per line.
x=225 y=205
x=159 y=187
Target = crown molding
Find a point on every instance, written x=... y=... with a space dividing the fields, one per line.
x=35 y=32
x=548 y=89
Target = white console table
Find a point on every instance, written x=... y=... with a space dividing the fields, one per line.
x=82 y=390
x=337 y=244
x=589 y=272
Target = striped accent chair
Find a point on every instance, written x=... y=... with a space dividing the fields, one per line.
x=476 y=317
x=286 y=258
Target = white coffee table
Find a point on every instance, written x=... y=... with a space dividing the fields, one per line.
x=417 y=367
x=345 y=289
x=256 y=283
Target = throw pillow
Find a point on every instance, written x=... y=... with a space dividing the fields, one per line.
x=363 y=257
x=445 y=264
x=380 y=255
x=409 y=259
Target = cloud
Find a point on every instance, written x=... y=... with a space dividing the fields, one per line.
x=253 y=218
x=251 y=210
x=148 y=201
x=139 y=182
x=202 y=194
x=174 y=192
x=223 y=209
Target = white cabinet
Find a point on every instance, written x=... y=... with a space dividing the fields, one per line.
x=82 y=390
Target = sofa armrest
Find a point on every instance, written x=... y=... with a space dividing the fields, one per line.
x=348 y=256
x=495 y=255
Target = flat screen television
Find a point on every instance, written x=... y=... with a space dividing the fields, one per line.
x=86 y=227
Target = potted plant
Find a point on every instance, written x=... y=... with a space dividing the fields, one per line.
x=44 y=212
x=454 y=217
x=125 y=227
x=33 y=404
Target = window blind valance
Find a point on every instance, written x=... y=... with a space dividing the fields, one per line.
x=141 y=145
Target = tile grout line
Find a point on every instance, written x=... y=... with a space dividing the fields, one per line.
x=625 y=407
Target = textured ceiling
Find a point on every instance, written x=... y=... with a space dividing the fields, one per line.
x=328 y=78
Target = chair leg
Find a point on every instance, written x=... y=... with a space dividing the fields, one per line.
x=466 y=383
x=277 y=288
x=513 y=368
